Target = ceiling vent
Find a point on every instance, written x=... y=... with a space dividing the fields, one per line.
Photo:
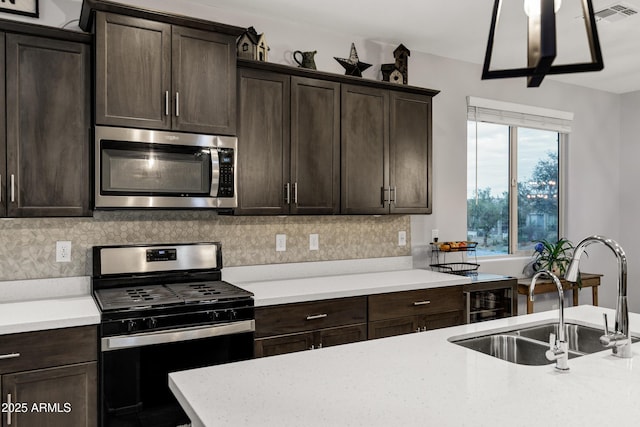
x=615 y=13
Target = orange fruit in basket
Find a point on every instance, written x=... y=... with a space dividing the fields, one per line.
x=454 y=245
x=462 y=244
x=445 y=247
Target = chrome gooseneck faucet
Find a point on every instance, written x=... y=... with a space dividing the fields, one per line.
x=620 y=339
x=558 y=349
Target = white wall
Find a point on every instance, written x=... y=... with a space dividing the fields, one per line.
x=596 y=155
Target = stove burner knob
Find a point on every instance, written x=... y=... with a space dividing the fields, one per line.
x=132 y=325
x=232 y=314
x=152 y=323
x=214 y=315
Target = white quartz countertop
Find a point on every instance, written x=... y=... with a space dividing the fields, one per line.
x=37 y=315
x=39 y=304
x=324 y=287
x=417 y=380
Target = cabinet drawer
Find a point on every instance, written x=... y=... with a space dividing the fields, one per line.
x=42 y=349
x=307 y=316
x=409 y=303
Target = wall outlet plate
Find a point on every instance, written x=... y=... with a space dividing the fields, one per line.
x=314 y=242
x=402 y=238
x=281 y=242
x=63 y=251
x=434 y=235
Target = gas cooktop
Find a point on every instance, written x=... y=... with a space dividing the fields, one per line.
x=149 y=296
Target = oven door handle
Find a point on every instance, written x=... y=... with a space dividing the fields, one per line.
x=176 y=335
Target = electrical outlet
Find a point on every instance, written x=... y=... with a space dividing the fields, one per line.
x=402 y=238
x=63 y=251
x=434 y=235
x=281 y=242
x=314 y=242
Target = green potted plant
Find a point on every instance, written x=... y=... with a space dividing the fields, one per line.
x=554 y=257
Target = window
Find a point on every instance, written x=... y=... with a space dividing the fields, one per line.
x=514 y=180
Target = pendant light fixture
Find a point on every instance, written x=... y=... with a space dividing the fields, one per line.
x=541 y=43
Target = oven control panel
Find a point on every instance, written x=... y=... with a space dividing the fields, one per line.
x=158 y=321
x=156 y=255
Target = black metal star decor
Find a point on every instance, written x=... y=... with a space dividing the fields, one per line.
x=353 y=66
x=541 y=43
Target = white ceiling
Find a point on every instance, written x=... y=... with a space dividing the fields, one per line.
x=458 y=29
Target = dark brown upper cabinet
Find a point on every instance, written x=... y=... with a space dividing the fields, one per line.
x=315 y=146
x=365 y=150
x=263 y=142
x=46 y=136
x=386 y=151
x=156 y=75
x=288 y=143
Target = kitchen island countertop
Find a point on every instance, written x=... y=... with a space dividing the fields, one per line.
x=416 y=380
x=303 y=289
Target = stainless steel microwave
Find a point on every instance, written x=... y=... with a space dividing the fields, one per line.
x=137 y=168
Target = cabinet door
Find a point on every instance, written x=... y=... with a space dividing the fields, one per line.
x=442 y=320
x=133 y=72
x=3 y=134
x=365 y=150
x=263 y=143
x=48 y=124
x=204 y=81
x=283 y=344
x=410 y=153
x=64 y=396
x=392 y=327
x=342 y=335
x=315 y=146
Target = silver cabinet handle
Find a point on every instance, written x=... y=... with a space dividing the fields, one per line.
x=384 y=191
x=13 y=188
x=287 y=193
x=177 y=104
x=392 y=189
x=421 y=302
x=9 y=356
x=9 y=412
x=295 y=193
x=166 y=103
x=317 y=316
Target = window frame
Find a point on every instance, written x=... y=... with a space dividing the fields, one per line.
x=563 y=139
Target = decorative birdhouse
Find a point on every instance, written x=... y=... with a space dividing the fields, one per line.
x=252 y=45
x=397 y=72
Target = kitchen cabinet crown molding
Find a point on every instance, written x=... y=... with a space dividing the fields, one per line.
x=87 y=16
x=323 y=75
x=9 y=26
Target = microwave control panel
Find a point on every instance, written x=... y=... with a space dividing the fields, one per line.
x=226 y=185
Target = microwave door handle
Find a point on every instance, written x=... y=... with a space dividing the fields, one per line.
x=215 y=172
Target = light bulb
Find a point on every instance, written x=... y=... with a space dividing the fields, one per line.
x=532 y=7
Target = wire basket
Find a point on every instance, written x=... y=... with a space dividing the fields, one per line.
x=459 y=268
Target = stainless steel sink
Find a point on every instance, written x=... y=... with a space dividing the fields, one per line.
x=527 y=345
x=512 y=348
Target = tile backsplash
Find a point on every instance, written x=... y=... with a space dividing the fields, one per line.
x=27 y=246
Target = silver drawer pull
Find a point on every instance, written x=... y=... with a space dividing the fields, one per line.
x=9 y=356
x=317 y=316
x=422 y=302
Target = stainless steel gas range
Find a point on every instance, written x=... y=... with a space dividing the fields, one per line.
x=164 y=308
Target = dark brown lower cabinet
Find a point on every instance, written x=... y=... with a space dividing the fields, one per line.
x=310 y=340
x=62 y=396
x=287 y=328
x=49 y=378
x=420 y=310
